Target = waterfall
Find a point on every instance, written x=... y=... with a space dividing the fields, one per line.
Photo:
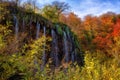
x=37 y=36
x=16 y=26
x=55 y=48
x=23 y=25
x=71 y=48
x=73 y=56
x=38 y=30
x=44 y=54
x=44 y=31
x=66 y=48
x=30 y=24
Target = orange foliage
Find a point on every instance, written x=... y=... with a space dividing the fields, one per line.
x=102 y=42
x=91 y=22
x=107 y=19
x=116 y=31
x=73 y=20
x=63 y=18
x=96 y=32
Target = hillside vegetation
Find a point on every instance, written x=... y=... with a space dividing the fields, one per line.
x=87 y=49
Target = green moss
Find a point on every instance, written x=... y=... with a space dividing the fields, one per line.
x=67 y=30
x=76 y=42
x=59 y=30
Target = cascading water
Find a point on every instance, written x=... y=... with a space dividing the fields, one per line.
x=23 y=25
x=66 y=48
x=30 y=24
x=38 y=30
x=71 y=48
x=55 y=48
x=63 y=46
x=73 y=56
x=37 y=36
x=16 y=26
x=44 y=54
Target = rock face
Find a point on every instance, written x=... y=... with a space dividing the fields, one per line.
x=63 y=47
x=64 y=44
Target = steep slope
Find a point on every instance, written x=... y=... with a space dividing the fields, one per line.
x=26 y=27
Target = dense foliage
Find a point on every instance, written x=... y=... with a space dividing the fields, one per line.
x=99 y=39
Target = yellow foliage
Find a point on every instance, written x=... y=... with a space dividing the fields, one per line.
x=97 y=67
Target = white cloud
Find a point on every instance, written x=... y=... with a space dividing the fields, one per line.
x=45 y=1
x=95 y=7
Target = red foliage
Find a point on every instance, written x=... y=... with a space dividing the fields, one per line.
x=103 y=42
x=116 y=31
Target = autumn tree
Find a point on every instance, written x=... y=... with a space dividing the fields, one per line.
x=53 y=11
x=116 y=30
x=63 y=18
x=73 y=21
x=60 y=7
x=107 y=22
x=31 y=6
x=104 y=38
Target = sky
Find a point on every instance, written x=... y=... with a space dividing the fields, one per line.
x=85 y=7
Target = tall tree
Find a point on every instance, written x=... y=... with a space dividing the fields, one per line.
x=72 y=20
x=53 y=11
x=60 y=7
